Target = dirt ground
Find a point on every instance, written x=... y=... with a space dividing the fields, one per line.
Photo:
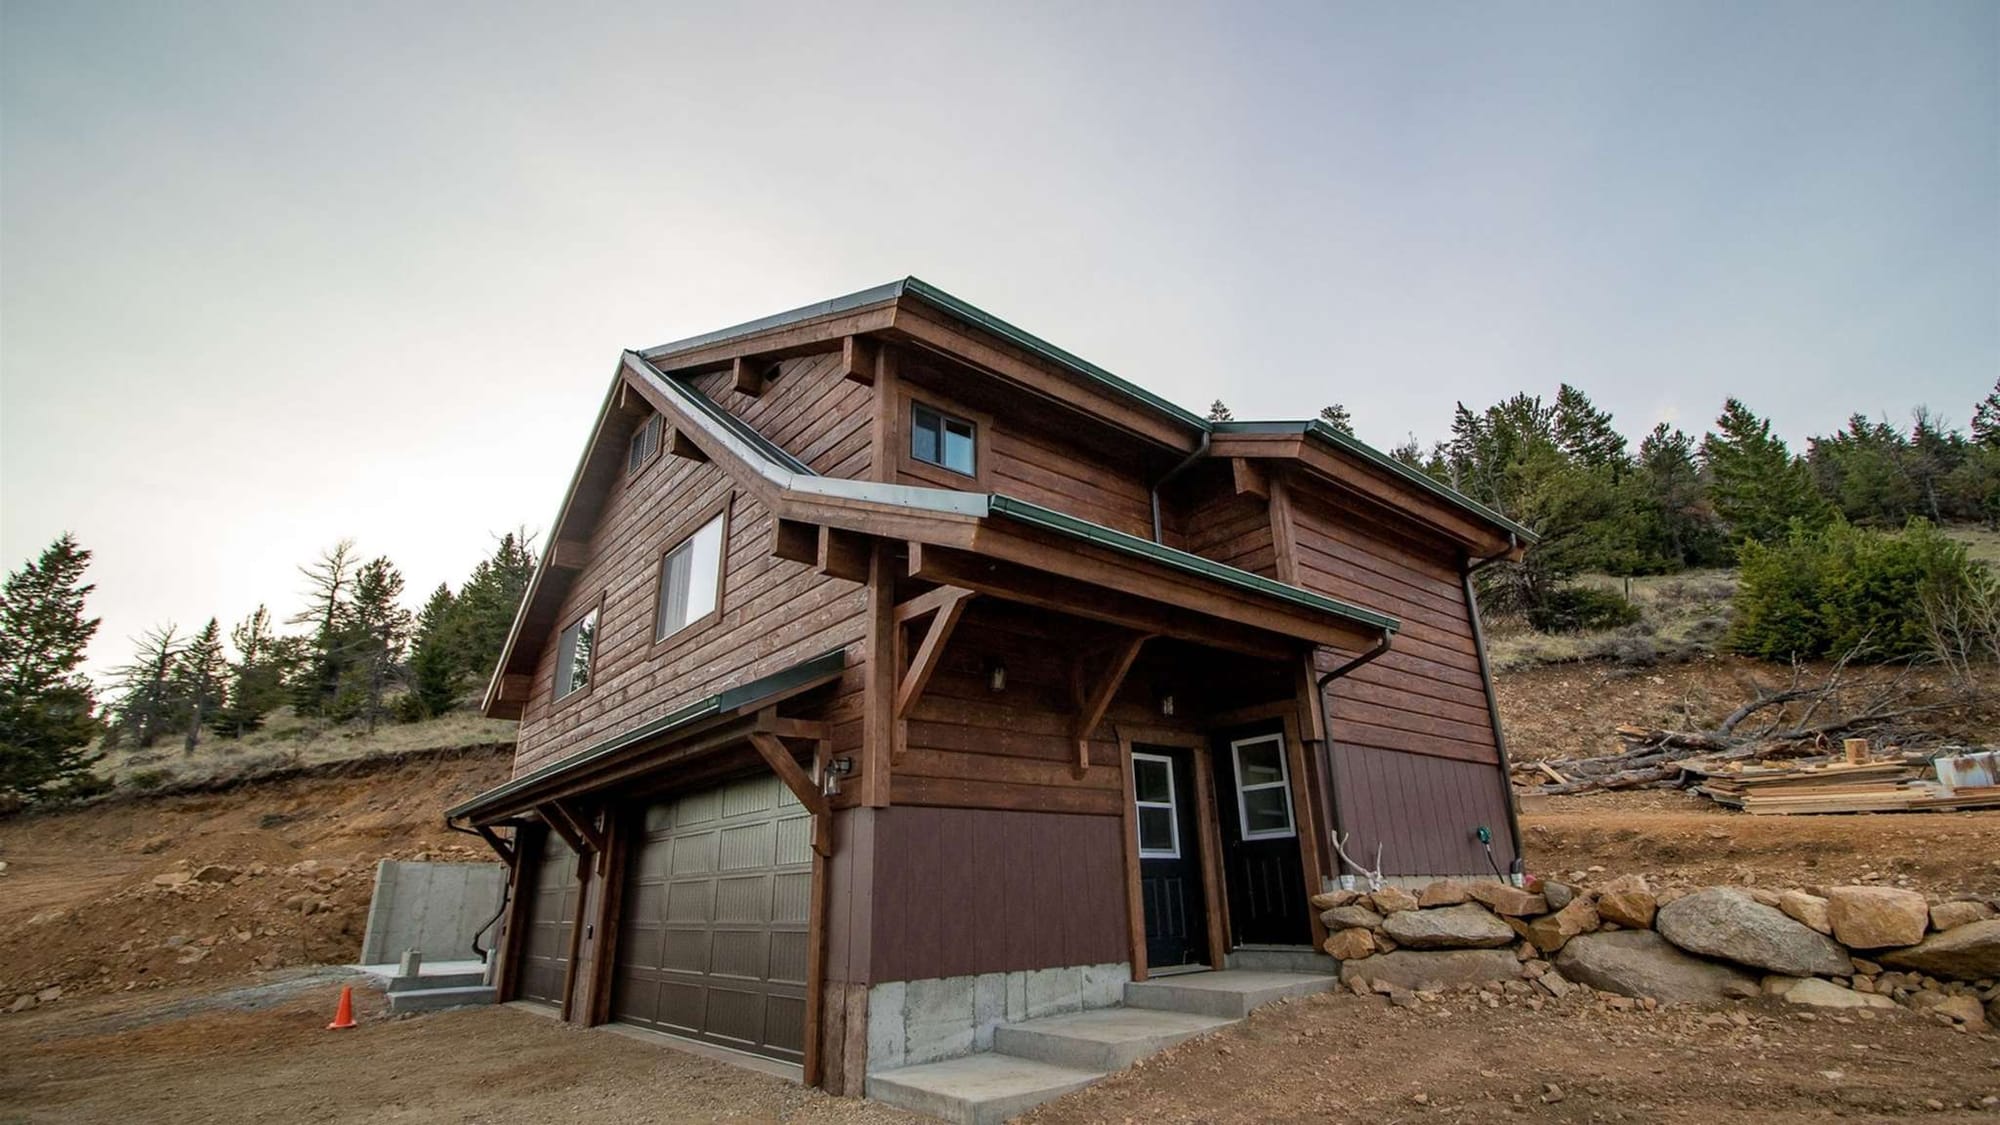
x=262 y=1055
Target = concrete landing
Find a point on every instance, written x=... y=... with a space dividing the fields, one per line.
x=1106 y=1039
x=438 y=999
x=384 y=973
x=977 y=1089
x=1230 y=994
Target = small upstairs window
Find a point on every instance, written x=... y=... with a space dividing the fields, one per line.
x=645 y=443
x=690 y=580
x=937 y=438
x=573 y=652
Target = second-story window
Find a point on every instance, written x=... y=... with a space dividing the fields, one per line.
x=573 y=652
x=645 y=443
x=937 y=438
x=690 y=580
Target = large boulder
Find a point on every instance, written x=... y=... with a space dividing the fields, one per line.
x=1963 y=912
x=1807 y=909
x=1727 y=924
x=1877 y=917
x=1817 y=993
x=1350 y=945
x=1443 y=892
x=1628 y=901
x=1501 y=898
x=1409 y=968
x=1352 y=915
x=1551 y=932
x=1642 y=963
x=1968 y=952
x=1389 y=900
x=1448 y=927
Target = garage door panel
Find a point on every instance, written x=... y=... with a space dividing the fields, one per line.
x=551 y=912
x=718 y=892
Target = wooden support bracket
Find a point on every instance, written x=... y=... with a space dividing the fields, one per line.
x=780 y=759
x=568 y=554
x=770 y=722
x=929 y=602
x=796 y=541
x=1098 y=699
x=1248 y=477
x=925 y=660
x=844 y=554
x=501 y=848
x=858 y=356
x=559 y=823
x=680 y=445
x=514 y=687
x=751 y=374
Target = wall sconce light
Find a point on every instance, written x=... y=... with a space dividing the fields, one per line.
x=1167 y=705
x=996 y=676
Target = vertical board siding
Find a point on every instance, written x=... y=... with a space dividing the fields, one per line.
x=774 y=613
x=965 y=891
x=1415 y=767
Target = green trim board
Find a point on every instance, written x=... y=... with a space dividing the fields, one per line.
x=1319 y=429
x=824 y=667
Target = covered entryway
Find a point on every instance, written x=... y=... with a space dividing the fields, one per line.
x=1261 y=861
x=551 y=913
x=713 y=944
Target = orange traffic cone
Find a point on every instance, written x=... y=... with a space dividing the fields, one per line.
x=343 y=1016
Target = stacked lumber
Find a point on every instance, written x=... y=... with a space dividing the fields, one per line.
x=1834 y=787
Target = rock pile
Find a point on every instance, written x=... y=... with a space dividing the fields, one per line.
x=1838 y=947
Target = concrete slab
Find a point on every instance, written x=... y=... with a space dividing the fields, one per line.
x=386 y=972
x=1105 y=1039
x=438 y=999
x=977 y=1089
x=1230 y=994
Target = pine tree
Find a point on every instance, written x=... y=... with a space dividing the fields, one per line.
x=1585 y=433
x=434 y=676
x=1217 y=412
x=148 y=704
x=1986 y=419
x=380 y=628
x=484 y=610
x=199 y=674
x=1756 y=485
x=47 y=708
x=1678 y=528
x=329 y=583
x=256 y=678
x=1338 y=417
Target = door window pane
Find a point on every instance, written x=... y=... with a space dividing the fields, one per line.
x=1266 y=811
x=1260 y=763
x=1263 y=787
x=1152 y=780
x=1156 y=831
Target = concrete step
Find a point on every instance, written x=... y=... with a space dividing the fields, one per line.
x=1104 y=1039
x=977 y=1089
x=1230 y=994
x=437 y=980
x=438 y=999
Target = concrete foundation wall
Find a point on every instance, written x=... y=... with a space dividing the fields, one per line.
x=434 y=908
x=919 y=1021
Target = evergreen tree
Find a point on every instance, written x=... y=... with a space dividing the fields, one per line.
x=1678 y=528
x=434 y=675
x=483 y=613
x=1585 y=434
x=1986 y=419
x=1337 y=417
x=1757 y=487
x=200 y=675
x=1217 y=412
x=329 y=584
x=149 y=704
x=379 y=629
x=256 y=678
x=47 y=707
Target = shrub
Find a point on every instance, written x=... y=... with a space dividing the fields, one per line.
x=1576 y=609
x=1841 y=589
x=147 y=779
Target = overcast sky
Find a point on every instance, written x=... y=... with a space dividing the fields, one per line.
x=275 y=273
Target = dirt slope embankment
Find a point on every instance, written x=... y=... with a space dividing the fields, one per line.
x=140 y=892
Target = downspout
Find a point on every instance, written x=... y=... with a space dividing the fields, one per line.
x=1200 y=451
x=1472 y=567
x=1326 y=729
x=506 y=885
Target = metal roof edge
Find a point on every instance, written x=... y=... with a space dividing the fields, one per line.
x=1124 y=543
x=1422 y=480
x=831 y=307
x=827 y=663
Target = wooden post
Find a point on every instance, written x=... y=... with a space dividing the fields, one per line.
x=1857 y=751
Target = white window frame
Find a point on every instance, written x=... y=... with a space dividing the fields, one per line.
x=645 y=442
x=1284 y=782
x=1171 y=804
x=661 y=634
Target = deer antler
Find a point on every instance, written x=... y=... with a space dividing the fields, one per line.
x=1374 y=876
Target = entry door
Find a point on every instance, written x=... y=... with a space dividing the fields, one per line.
x=1260 y=840
x=1169 y=858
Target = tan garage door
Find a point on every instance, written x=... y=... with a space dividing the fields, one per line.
x=713 y=941
x=551 y=914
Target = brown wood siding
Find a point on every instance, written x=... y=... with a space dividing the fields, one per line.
x=774 y=613
x=1415 y=766
x=1217 y=522
x=964 y=891
x=809 y=411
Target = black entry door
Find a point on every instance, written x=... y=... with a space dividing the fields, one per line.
x=1169 y=858
x=1260 y=840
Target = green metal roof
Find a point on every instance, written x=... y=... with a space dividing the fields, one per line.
x=825 y=666
x=1428 y=483
x=1123 y=543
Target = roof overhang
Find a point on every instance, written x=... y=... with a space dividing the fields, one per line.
x=692 y=728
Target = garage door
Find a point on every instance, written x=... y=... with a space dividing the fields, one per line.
x=713 y=941
x=551 y=914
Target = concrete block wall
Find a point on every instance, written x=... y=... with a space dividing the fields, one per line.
x=434 y=908
x=920 y=1021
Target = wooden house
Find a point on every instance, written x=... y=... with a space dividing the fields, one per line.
x=880 y=642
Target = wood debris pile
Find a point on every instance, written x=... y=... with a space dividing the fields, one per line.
x=1834 y=787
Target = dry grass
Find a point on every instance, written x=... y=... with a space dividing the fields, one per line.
x=287 y=740
x=1982 y=543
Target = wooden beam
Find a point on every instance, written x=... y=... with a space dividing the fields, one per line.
x=787 y=768
x=749 y=373
x=1099 y=698
x=583 y=829
x=1284 y=528
x=679 y=444
x=858 y=355
x=1248 y=478
x=925 y=661
x=568 y=554
x=796 y=541
x=929 y=602
x=515 y=687
x=843 y=554
x=559 y=823
x=500 y=847
x=1135 y=905
x=784 y=726
x=1210 y=830
x=878 y=722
